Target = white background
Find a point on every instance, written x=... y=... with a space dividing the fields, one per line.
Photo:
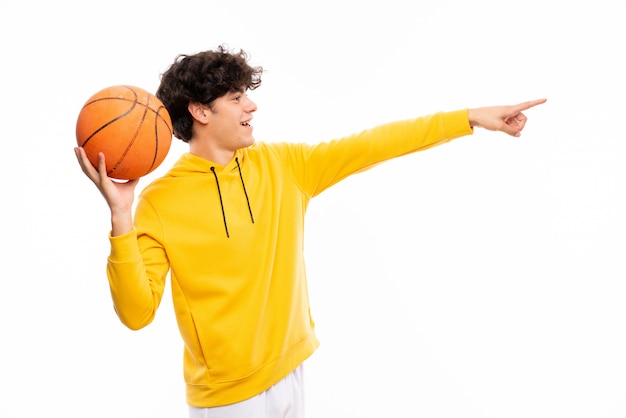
x=483 y=278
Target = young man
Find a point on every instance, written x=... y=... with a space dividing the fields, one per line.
x=227 y=222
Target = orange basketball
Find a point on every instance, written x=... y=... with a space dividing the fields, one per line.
x=130 y=126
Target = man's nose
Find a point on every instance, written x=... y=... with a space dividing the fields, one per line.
x=251 y=106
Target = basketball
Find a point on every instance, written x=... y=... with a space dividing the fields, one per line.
x=130 y=126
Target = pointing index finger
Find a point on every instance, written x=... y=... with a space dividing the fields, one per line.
x=527 y=105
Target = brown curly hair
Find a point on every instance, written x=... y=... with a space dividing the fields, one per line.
x=202 y=78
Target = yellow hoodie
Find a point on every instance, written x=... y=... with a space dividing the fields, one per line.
x=232 y=238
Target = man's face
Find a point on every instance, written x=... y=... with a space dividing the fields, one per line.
x=230 y=119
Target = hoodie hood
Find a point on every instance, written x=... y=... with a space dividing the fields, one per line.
x=191 y=164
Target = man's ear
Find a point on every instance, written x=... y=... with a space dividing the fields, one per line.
x=199 y=112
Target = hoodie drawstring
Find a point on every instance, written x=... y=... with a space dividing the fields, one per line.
x=244 y=189
x=219 y=192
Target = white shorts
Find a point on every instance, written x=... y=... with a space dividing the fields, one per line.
x=285 y=400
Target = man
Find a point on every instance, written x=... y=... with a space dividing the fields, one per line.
x=227 y=222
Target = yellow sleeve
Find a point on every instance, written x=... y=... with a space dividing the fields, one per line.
x=318 y=167
x=136 y=269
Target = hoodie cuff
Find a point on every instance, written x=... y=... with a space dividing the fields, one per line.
x=124 y=247
x=457 y=124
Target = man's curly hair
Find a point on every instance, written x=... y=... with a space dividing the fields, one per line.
x=202 y=78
